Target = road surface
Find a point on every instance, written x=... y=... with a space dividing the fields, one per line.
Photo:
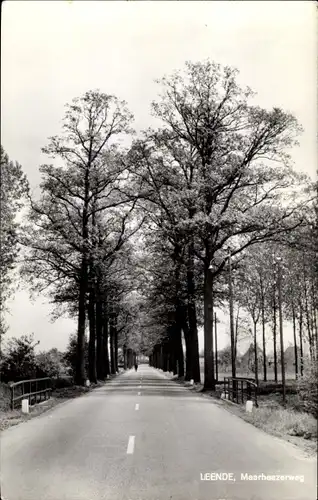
x=144 y=437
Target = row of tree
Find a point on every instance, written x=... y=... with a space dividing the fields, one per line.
x=135 y=242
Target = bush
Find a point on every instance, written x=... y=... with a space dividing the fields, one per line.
x=5 y=397
x=308 y=389
x=70 y=356
x=51 y=364
x=62 y=382
x=18 y=359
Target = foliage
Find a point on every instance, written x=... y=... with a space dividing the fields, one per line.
x=50 y=364
x=13 y=189
x=18 y=361
x=215 y=176
x=308 y=389
x=70 y=355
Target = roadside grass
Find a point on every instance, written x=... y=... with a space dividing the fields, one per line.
x=289 y=422
x=9 y=418
x=282 y=421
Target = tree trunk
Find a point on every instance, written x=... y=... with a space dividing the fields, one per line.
x=188 y=345
x=233 y=364
x=236 y=333
x=106 y=370
x=263 y=337
x=179 y=350
x=295 y=342
x=92 y=338
x=301 y=345
x=255 y=351
x=99 y=338
x=209 y=377
x=192 y=317
x=115 y=344
x=178 y=312
x=165 y=357
x=112 y=344
x=275 y=336
x=216 y=348
x=125 y=356
x=80 y=375
x=281 y=333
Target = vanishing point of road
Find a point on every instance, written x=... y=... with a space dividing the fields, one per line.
x=144 y=437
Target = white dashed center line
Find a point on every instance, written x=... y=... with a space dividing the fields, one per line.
x=131 y=445
x=137 y=406
x=139 y=393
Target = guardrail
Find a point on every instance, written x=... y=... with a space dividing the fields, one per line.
x=240 y=390
x=35 y=390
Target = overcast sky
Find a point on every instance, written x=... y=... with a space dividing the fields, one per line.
x=53 y=51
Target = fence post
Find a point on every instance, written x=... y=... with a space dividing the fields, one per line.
x=12 y=397
x=248 y=390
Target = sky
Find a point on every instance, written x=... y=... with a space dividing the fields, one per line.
x=54 y=51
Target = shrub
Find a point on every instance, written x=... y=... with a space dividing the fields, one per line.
x=308 y=389
x=70 y=356
x=18 y=359
x=62 y=382
x=51 y=364
x=5 y=397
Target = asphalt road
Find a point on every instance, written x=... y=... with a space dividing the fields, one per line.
x=144 y=437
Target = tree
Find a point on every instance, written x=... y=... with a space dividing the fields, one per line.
x=50 y=364
x=18 y=359
x=75 y=194
x=13 y=189
x=226 y=159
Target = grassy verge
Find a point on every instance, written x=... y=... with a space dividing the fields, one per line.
x=9 y=417
x=290 y=423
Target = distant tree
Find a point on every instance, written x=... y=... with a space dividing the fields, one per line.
x=50 y=364
x=18 y=359
x=13 y=189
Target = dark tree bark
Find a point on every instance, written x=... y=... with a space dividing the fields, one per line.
x=115 y=344
x=92 y=337
x=301 y=345
x=216 y=348
x=263 y=333
x=99 y=337
x=112 y=344
x=275 y=335
x=125 y=356
x=255 y=351
x=209 y=377
x=178 y=347
x=80 y=375
x=295 y=342
x=188 y=345
x=165 y=356
x=192 y=318
x=106 y=367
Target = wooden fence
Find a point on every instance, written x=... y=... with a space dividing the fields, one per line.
x=35 y=390
x=239 y=390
